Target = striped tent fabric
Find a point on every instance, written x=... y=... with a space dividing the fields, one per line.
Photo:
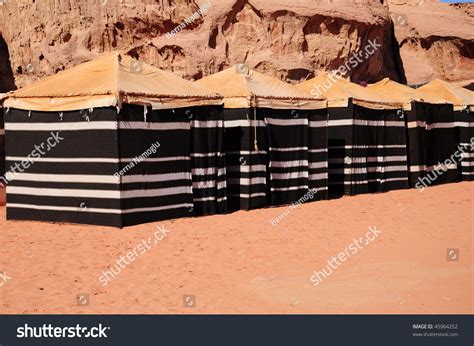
x=431 y=141
x=288 y=162
x=464 y=126
x=318 y=153
x=129 y=150
x=267 y=138
x=3 y=182
x=208 y=160
x=366 y=140
x=155 y=184
x=70 y=179
x=379 y=159
x=246 y=163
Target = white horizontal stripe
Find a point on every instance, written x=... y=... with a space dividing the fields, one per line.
x=207 y=123
x=417 y=123
x=247 y=181
x=285 y=164
x=208 y=184
x=95 y=160
x=246 y=152
x=440 y=167
x=288 y=149
x=467 y=173
x=440 y=126
x=247 y=168
x=369 y=169
x=208 y=171
x=360 y=182
x=141 y=125
x=317 y=150
x=388 y=146
x=318 y=165
x=207 y=154
x=291 y=188
x=467 y=163
x=73 y=126
x=152 y=178
x=63 y=159
x=322 y=123
x=286 y=122
x=463 y=124
x=66 y=178
x=97 y=210
x=97 y=193
x=466 y=155
x=244 y=123
x=246 y=195
x=206 y=199
x=291 y=175
x=421 y=168
x=318 y=176
x=360 y=122
x=158 y=159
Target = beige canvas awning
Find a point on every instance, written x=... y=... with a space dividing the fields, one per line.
x=338 y=91
x=460 y=97
x=243 y=88
x=403 y=93
x=111 y=80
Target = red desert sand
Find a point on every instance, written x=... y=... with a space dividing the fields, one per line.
x=240 y=263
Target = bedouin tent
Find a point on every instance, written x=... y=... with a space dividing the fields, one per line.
x=463 y=102
x=275 y=139
x=2 y=153
x=110 y=142
x=430 y=131
x=366 y=137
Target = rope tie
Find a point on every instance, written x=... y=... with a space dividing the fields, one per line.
x=255 y=142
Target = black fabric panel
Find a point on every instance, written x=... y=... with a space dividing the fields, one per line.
x=430 y=147
x=338 y=138
x=287 y=184
x=133 y=142
x=464 y=133
x=2 y=143
x=208 y=155
x=248 y=194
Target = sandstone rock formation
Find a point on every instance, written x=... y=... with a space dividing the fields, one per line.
x=291 y=40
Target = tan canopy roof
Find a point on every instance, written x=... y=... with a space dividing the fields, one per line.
x=338 y=91
x=403 y=93
x=111 y=80
x=243 y=88
x=460 y=97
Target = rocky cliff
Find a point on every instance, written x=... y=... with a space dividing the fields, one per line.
x=416 y=40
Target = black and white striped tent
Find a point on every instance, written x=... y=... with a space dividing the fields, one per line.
x=430 y=131
x=463 y=122
x=113 y=142
x=275 y=139
x=2 y=153
x=366 y=137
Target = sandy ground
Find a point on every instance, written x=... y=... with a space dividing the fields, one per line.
x=240 y=263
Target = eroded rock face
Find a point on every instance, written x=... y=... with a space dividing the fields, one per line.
x=290 y=40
